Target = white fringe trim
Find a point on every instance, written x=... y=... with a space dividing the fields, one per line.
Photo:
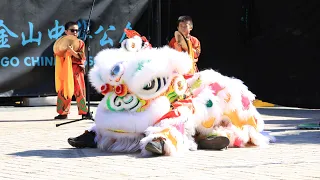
x=183 y=142
x=118 y=142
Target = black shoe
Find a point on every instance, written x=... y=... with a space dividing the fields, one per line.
x=156 y=146
x=87 y=116
x=84 y=140
x=214 y=143
x=61 y=117
x=84 y=116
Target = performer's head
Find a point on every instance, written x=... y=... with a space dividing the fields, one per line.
x=71 y=28
x=185 y=25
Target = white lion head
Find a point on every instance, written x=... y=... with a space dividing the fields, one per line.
x=133 y=79
x=137 y=86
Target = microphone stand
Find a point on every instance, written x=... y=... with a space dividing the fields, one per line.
x=88 y=116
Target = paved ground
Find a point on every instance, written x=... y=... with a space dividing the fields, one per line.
x=34 y=148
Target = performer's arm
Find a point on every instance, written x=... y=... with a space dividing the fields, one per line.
x=73 y=53
x=81 y=53
x=196 y=49
x=175 y=45
x=171 y=43
x=178 y=47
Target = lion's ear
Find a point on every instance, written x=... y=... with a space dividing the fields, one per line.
x=94 y=75
x=95 y=78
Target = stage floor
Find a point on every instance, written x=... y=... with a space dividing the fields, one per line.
x=32 y=147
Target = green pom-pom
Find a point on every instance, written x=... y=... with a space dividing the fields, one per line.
x=209 y=103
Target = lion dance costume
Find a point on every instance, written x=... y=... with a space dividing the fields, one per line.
x=148 y=97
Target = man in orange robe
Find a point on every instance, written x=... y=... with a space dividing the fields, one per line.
x=77 y=89
x=185 y=25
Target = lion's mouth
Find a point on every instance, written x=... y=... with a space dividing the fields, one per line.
x=128 y=102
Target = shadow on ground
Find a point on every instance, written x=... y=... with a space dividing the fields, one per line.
x=288 y=112
x=70 y=153
x=299 y=137
x=30 y=120
x=45 y=120
x=286 y=131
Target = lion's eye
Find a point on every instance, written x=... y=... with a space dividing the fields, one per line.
x=117 y=70
x=155 y=85
x=150 y=85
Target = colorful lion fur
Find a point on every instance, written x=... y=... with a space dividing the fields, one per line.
x=148 y=96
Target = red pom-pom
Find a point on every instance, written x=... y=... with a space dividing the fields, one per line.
x=121 y=90
x=105 y=89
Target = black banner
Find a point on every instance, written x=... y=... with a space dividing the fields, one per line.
x=29 y=28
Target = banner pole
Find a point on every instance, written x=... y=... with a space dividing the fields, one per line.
x=89 y=114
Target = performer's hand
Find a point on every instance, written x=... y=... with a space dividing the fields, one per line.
x=72 y=52
x=71 y=47
x=177 y=46
x=82 y=67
